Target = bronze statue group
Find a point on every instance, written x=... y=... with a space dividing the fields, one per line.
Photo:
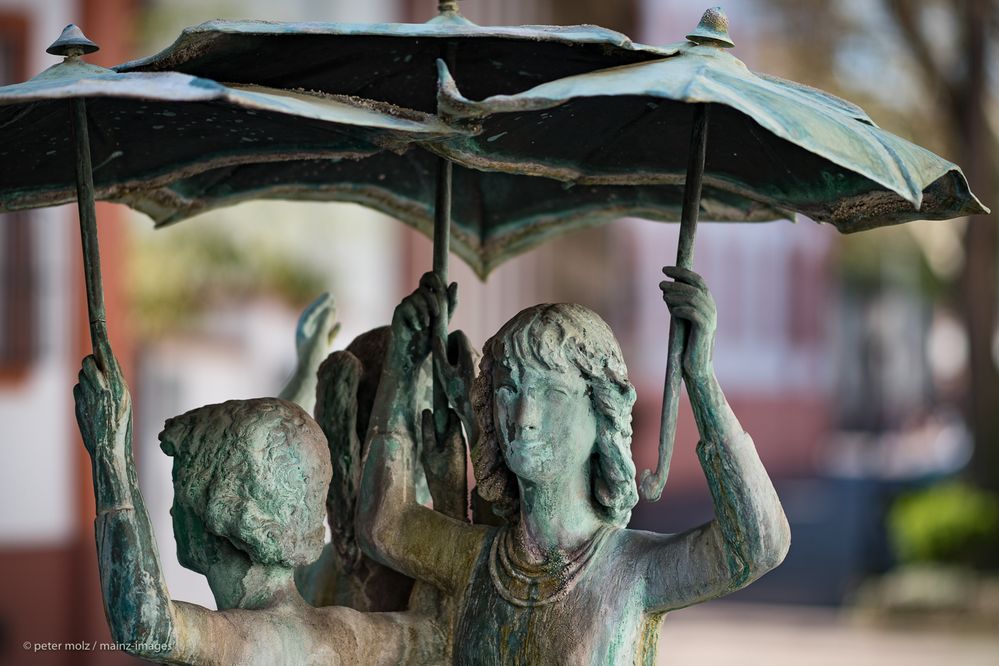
x=534 y=566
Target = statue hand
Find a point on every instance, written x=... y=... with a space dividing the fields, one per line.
x=103 y=404
x=444 y=463
x=688 y=298
x=315 y=332
x=413 y=322
x=457 y=373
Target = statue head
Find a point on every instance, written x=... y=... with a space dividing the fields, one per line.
x=252 y=474
x=552 y=391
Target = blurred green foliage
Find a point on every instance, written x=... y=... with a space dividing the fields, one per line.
x=950 y=523
x=176 y=275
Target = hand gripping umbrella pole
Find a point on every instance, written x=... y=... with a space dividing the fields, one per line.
x=653 y=482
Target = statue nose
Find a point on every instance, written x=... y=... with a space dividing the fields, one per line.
x=528 y=412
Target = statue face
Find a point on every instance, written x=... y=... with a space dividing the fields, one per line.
x=545 y=421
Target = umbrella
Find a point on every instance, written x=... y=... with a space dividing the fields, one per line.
x=773 y=141
x=394 y=62
x=495 y=215
x=145 y=129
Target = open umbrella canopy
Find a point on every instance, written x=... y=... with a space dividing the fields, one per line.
x=773 y=141
x=393 y=62
x=151 y=128
x=494 y=216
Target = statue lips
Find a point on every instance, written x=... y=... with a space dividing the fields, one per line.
x=527 y=457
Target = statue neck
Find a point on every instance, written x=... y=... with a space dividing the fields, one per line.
x=241 y=583
x=556 y=516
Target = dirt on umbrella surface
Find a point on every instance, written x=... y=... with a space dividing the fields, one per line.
x=756 y=635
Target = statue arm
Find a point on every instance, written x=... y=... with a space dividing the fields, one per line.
x=393 y=527
x=749 y=535
x=315 y=332
x=140 y=613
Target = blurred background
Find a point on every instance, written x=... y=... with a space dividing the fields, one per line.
x=864 y=367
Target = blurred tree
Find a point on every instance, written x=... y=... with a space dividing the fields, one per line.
x=176 y=278
x=922 y=69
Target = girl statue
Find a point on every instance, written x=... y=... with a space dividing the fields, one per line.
x=563 y=581
x=250 y=483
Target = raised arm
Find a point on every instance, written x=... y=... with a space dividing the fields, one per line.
x=749 y=535
x=394 y=528
x=313 y=336
x=136 y=602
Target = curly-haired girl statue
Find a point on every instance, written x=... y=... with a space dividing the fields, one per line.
x=563 y=581
x=250 y=480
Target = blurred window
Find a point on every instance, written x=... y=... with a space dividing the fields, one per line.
x=18 y=288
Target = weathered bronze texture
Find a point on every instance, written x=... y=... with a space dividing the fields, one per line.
x=788 y=146
x=250 y=480
x=393 y=62
x=562 y=581
x=570 y=127
x=195 y=124
x=653 y=482
x=495 y=215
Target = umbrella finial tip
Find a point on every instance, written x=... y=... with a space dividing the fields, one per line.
x=447 y=7
x=72 y=43
x=712 y=30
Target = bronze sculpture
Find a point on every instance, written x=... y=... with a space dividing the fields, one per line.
x=563 y=581
x=551 y=430
x=250 y=481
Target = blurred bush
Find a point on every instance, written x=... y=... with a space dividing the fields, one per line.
x=176 y=277
x=950 y=523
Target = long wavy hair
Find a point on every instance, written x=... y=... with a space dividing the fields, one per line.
x=561 y=337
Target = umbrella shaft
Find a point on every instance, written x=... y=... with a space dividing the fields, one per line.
x=653 y=483
x=88 y=226
x=442 y=219
x=442 y=237
x=692 y=187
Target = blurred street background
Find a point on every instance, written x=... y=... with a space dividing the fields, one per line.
x=865 y=367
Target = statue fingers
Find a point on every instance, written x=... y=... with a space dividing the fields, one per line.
x=689 y=313
x=678 y=291
x=685 y=275
x=91 y=374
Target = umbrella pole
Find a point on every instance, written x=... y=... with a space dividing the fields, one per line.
x=88 y=234
x=442 y=241
x=442 y=247
x=653 y=483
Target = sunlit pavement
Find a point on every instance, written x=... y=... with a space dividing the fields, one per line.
x=751 y=635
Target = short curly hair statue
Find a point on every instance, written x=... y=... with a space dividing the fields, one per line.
x=563 y=337
x=255 y=472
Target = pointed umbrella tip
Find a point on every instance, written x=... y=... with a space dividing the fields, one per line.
x=712 y=30
x=447 y=7
x=72 y=42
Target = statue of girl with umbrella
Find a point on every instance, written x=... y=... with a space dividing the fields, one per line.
x=563 y=581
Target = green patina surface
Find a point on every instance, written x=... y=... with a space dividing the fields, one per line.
x=561 y=581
